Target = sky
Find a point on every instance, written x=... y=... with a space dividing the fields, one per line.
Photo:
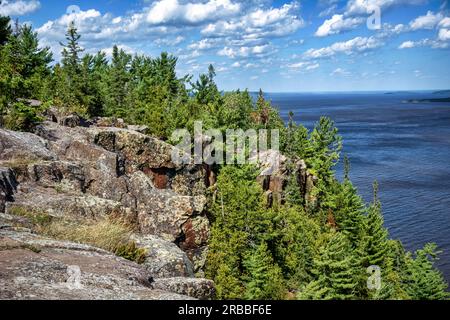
x=279 y=46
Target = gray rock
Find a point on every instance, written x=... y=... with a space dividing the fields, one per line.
x=202 y=289
x=36 y=268
x=23 y=146
x=164 y=259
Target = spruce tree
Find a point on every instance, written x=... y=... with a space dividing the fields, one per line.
x=264 y=278
x=375 y=245
x=335 y=271
x=118 y=80
x=349 y=209
x=423 y=281
x=71 y=50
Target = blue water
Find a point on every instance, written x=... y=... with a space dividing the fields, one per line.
x=404 y=146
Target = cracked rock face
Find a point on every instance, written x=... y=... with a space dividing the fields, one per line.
x=94 y=172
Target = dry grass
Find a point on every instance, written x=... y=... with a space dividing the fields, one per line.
x=112 y=233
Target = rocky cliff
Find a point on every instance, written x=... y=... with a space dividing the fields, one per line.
x=93 y=172
x=78 y=170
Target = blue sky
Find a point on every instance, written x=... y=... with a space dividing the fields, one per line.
x=279 y=46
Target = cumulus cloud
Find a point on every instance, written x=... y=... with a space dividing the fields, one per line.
x=365 y=6
x=259 y=23
x=173 y=12
x=18 y=8
x=428 y=21
x=337 y=24
x=358 y=44
x=245 y=51
x=304 y=65
x=433 y=43
x=407 y=45
x=444 y=35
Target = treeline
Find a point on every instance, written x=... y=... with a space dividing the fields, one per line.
x=288 y=251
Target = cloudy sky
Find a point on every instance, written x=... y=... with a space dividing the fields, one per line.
x=305 y=45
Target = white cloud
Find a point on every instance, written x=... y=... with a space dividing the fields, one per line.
x=336 y=24
x=245 y=51
x=313 y=66
x=273 y=22
x=445 y=23
x=428 y=21
x=444 y=35
x=364 y=6
x=109 y=51
x=433 y=43
x=358 y=44
x=18 y=8
x=340 y=72
x=407 y=45
x=172 y=11
x=169 y=41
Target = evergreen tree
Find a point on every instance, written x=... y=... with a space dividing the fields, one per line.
x=118 y=80
x=349 y=209
x=72 y=98
x=264 y=278
x=374 y=245
x=423 y=282
x=71 y=50
x=326 y=145
x=334 y=271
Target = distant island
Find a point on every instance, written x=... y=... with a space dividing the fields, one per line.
x=442 y=92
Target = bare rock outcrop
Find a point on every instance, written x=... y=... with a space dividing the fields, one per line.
x=33 y=267
x=69 y=170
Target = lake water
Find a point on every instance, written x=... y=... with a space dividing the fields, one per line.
x=404 y=146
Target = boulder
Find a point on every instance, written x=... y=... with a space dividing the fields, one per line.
x=164 y=259
x=202 y=289
x=162 y=212
x=19 y=147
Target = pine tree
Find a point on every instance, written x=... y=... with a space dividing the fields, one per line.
x=71 y=50
x=264 y=278
x=374 y=245
x=118 y=81
x=423 y=282
x=349 y=209
x=326 y=145
x=334 y=271
x=72 y=99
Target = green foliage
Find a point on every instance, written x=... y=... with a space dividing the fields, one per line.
x=423 y=281
x=333 y=270
x=23 y=66
x=264 y=277
x=375 y=235
x=22 y=116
